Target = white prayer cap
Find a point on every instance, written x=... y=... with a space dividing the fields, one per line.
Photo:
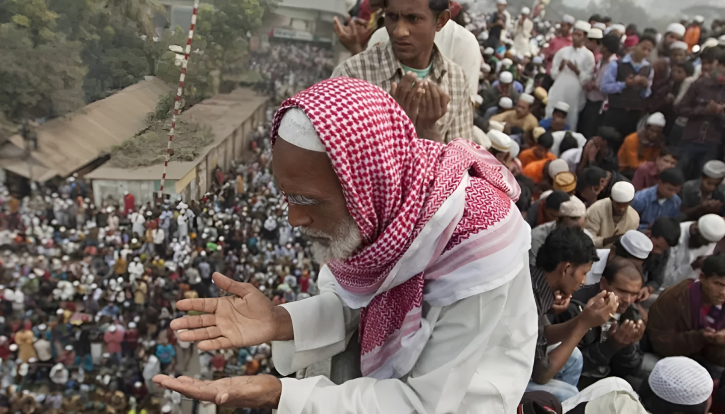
x=69 y=347
x=699 y=19
x=615 y=403
x=712 y=227
x=562 y=106
x=622 y=192
x=13 y=347
x=721 y=40
x=619 y=27
x=506 y=62
x=477 y=99
x=515 y=149
x=296 y=128
x=583 y=26
x=680 y=380
x=527 y=98
x=525 y=10
x=505 y=103
x=568 y=19
x=677 y=29
x=573 y=208
x=506 y=77
x=488 y=51
x=595 y=34
x=495 y=126
x=711 y=42
x=657 y=119
x=167 y=408
x=42 y=327
x=637 y=244
x=486 y=67
x=132 y=325
x=714 y=169
x=137 y=384
x=600 y=26
x=538 y=60
x=112 y=328
x=480 y=138
x=501 y=2
x=678 y=45
x=499 y=140
x=557 y=166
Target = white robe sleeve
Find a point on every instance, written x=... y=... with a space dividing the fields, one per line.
x=322 y=326
x=586 y=69
x=478 y=359
x=558 y=57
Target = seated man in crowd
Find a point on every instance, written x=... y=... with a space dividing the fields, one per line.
x=500 y=146
x=562 y=264
x=546 y=209
x=504 y=88
x=599 y=151
x=557 y=122
x=697 y=241
x=688 y=320
x=411 y=65
x=504 y=105
x=612 y=349
x=661 y=200
x=520 y=117
x=633 y=246
x=704 y=195
x=589 y=184
x=571 y=214
x=641 y=146
x=648 y=174
x=539 y=152
x=608 y=219
x=664 y=234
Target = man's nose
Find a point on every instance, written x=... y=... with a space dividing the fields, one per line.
x=297 y=217
x=401 y=29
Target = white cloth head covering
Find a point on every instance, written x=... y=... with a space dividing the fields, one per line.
x=714 y=169
x=583 y=26
x=657 y=119
x=495 y=126
x=573 y=208
x=557 y=166
x=505 y=77
x=506 y=62
x=515 y=149
x=527 y=98
x=595 y=33
x=562 y=106
x=600 y=26
x=677 y=29
x=501 y=2
x=680 y=380
x=678 y=45
x=622 y=192
x=711 y=42
x=499 y=140
x=505 y=103
x=486 y=67
x=538 y=60
x=619 y=27
x=488 y=51
x=480 y=138
x=568 y=19
x=712 y=227
x=296 y=128
x=525 y=10
x=699 y=19
x=637 y=244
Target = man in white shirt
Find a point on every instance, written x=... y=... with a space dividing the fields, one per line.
x=573 y=66
x=436 y=278
x=697 y=240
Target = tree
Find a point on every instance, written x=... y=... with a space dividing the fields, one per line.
x=138 y=11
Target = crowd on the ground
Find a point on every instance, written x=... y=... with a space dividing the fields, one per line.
x=615 y=135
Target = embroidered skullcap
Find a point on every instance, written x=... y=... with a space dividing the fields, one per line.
x=680 y=380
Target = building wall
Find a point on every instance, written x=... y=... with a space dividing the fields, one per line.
x=112 y=190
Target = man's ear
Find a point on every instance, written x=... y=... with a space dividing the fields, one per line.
x=442 y=20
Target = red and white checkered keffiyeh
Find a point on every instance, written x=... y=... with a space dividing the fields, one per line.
x=449 y=205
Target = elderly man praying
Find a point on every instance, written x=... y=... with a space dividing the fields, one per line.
x=426 y=258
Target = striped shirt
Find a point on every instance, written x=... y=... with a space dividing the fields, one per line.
x=379 y=66
x=544 y=298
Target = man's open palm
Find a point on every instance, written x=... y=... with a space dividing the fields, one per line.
x=247 y=318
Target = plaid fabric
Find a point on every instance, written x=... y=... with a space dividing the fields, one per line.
x=379 y=66
x=544 y=298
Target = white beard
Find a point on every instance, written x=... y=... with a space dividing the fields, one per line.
x=341 y=246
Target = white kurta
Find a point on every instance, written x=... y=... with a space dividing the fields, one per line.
x=478 y=359
x=568 y=87
x=681 y=257
x=522 y=36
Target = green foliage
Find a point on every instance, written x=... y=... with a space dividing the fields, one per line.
x=164 y=108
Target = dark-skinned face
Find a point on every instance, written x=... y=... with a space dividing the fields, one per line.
x=412 y=26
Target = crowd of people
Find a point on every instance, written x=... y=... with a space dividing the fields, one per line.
x=608 y=139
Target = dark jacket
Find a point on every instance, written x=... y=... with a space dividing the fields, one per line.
x=671 y=331
x=702 y=126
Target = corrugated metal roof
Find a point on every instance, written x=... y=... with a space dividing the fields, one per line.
x=65 y=144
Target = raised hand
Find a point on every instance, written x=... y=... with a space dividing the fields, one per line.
x=258 y=391
x=247 y=318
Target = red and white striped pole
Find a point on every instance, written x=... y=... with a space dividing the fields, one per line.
x=179 y=92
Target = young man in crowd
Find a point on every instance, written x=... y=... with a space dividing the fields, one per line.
x=608 y=219
x=573 y=66
x=557 y=120
x=674 y=33
x=504 y=105
x=546 y=209
x=412 y=69
x=648 y=174
x=641 y=146
x=627 y=84
x=539 y=152
x=521 y=116
x=612 y=348
x=591 y=117
x=571 y=214
x=562 y=39
x=599 y=151
x=706 y=194
x=589 y=184
x=697 y=241
x=562 y=264
x=664 y=235
x=661 y=200
x=704 y=107
x=504 y=88
x=687 y=319
x=633 y=246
